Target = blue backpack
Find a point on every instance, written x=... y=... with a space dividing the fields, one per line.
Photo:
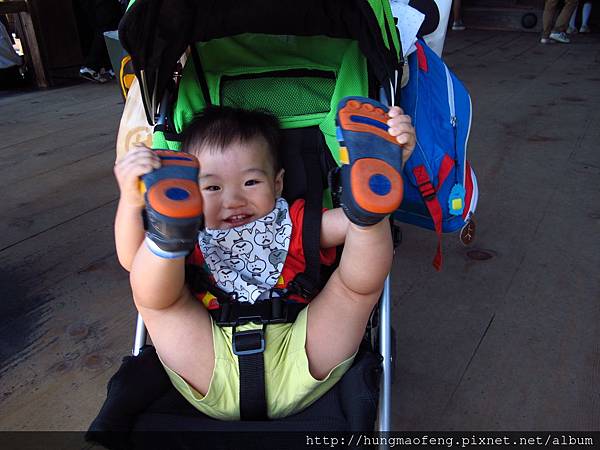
x=440 y=188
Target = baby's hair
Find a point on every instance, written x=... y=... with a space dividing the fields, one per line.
x=219 y=126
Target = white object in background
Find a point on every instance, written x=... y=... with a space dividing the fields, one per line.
x=8 y=56
x=409 y=22
x=436 y=39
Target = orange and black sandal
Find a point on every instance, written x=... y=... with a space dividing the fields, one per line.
x=371 y=161
x=173 y=204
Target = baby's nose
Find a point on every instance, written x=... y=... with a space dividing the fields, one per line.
x=234 y=199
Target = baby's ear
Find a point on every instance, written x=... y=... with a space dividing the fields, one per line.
x=279 y=183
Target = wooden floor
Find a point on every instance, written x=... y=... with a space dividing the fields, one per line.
x=506 y=343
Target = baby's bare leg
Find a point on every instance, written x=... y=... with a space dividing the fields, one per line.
x=179 y=325
x=337 y=317
x=182 y=335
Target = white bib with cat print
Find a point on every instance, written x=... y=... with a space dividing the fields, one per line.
x=247 y=260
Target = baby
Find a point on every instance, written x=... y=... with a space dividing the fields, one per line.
x=252 y=242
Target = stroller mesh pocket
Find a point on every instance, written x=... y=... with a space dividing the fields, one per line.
x=286 y=94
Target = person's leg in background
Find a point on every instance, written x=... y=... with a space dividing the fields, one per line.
x=572 y=28
x=558 y=31
x=548 y=20
x=457 y=22
x=101 y=15
x=585 y=17
x=562 y=21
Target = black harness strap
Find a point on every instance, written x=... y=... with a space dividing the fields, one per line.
x=251 y=365
x=200 y=75
x=249 y=346
x=312 y=146
x=230 y=312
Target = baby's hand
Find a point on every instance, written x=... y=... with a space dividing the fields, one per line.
x=401 y=127
x=137 y=162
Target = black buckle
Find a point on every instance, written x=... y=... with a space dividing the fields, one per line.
x=302 y=286
x=278 y=309
x=271 y=310
x=241 y=341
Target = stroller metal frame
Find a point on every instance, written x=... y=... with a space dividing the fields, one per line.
x=149 y=75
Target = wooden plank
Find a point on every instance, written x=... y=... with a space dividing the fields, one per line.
x=52 y=146
x=71 y=173
x=55 y=150
x=68 y=319
x=19 y=130
x=39 y=102
x=17 y=97
x=475 y=43
x=58 y=37
x=55 y=101
x=33 y=206
x=550 y=316
x=66 y=305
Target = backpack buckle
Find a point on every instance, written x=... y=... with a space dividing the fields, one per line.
x=427 y=190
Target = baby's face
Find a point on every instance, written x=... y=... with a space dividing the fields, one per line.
x=238 y=184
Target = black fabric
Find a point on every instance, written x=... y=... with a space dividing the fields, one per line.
x=11 y=78
x=307 y=161
x=94 y=17
x=270 y=311
x=164 y=121
x=311 y=224
x=297 y=145
x=253 y=402
x=132 y=389
x=200 y=75
x=432 y=15
x=141 y=387
x=156 y=33
x=249 y=347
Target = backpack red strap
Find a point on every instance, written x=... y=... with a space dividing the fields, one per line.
x=445 y=169
x=428 y=192
x=433 y=205
x=421 y=57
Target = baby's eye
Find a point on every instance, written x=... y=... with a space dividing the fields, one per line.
x=212 y=188
x=251 y=182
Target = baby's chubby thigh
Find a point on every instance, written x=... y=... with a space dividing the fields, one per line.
x=182 y=336
x=336 y=323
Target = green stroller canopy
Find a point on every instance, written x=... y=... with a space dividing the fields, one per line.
x=156 y=33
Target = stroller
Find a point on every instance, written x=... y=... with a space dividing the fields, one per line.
x=296 y=59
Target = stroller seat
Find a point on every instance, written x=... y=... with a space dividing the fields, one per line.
x=141 y=401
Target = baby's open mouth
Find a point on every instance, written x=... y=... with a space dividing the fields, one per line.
x=238 y=219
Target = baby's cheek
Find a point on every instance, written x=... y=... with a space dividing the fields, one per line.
x=209 y=210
